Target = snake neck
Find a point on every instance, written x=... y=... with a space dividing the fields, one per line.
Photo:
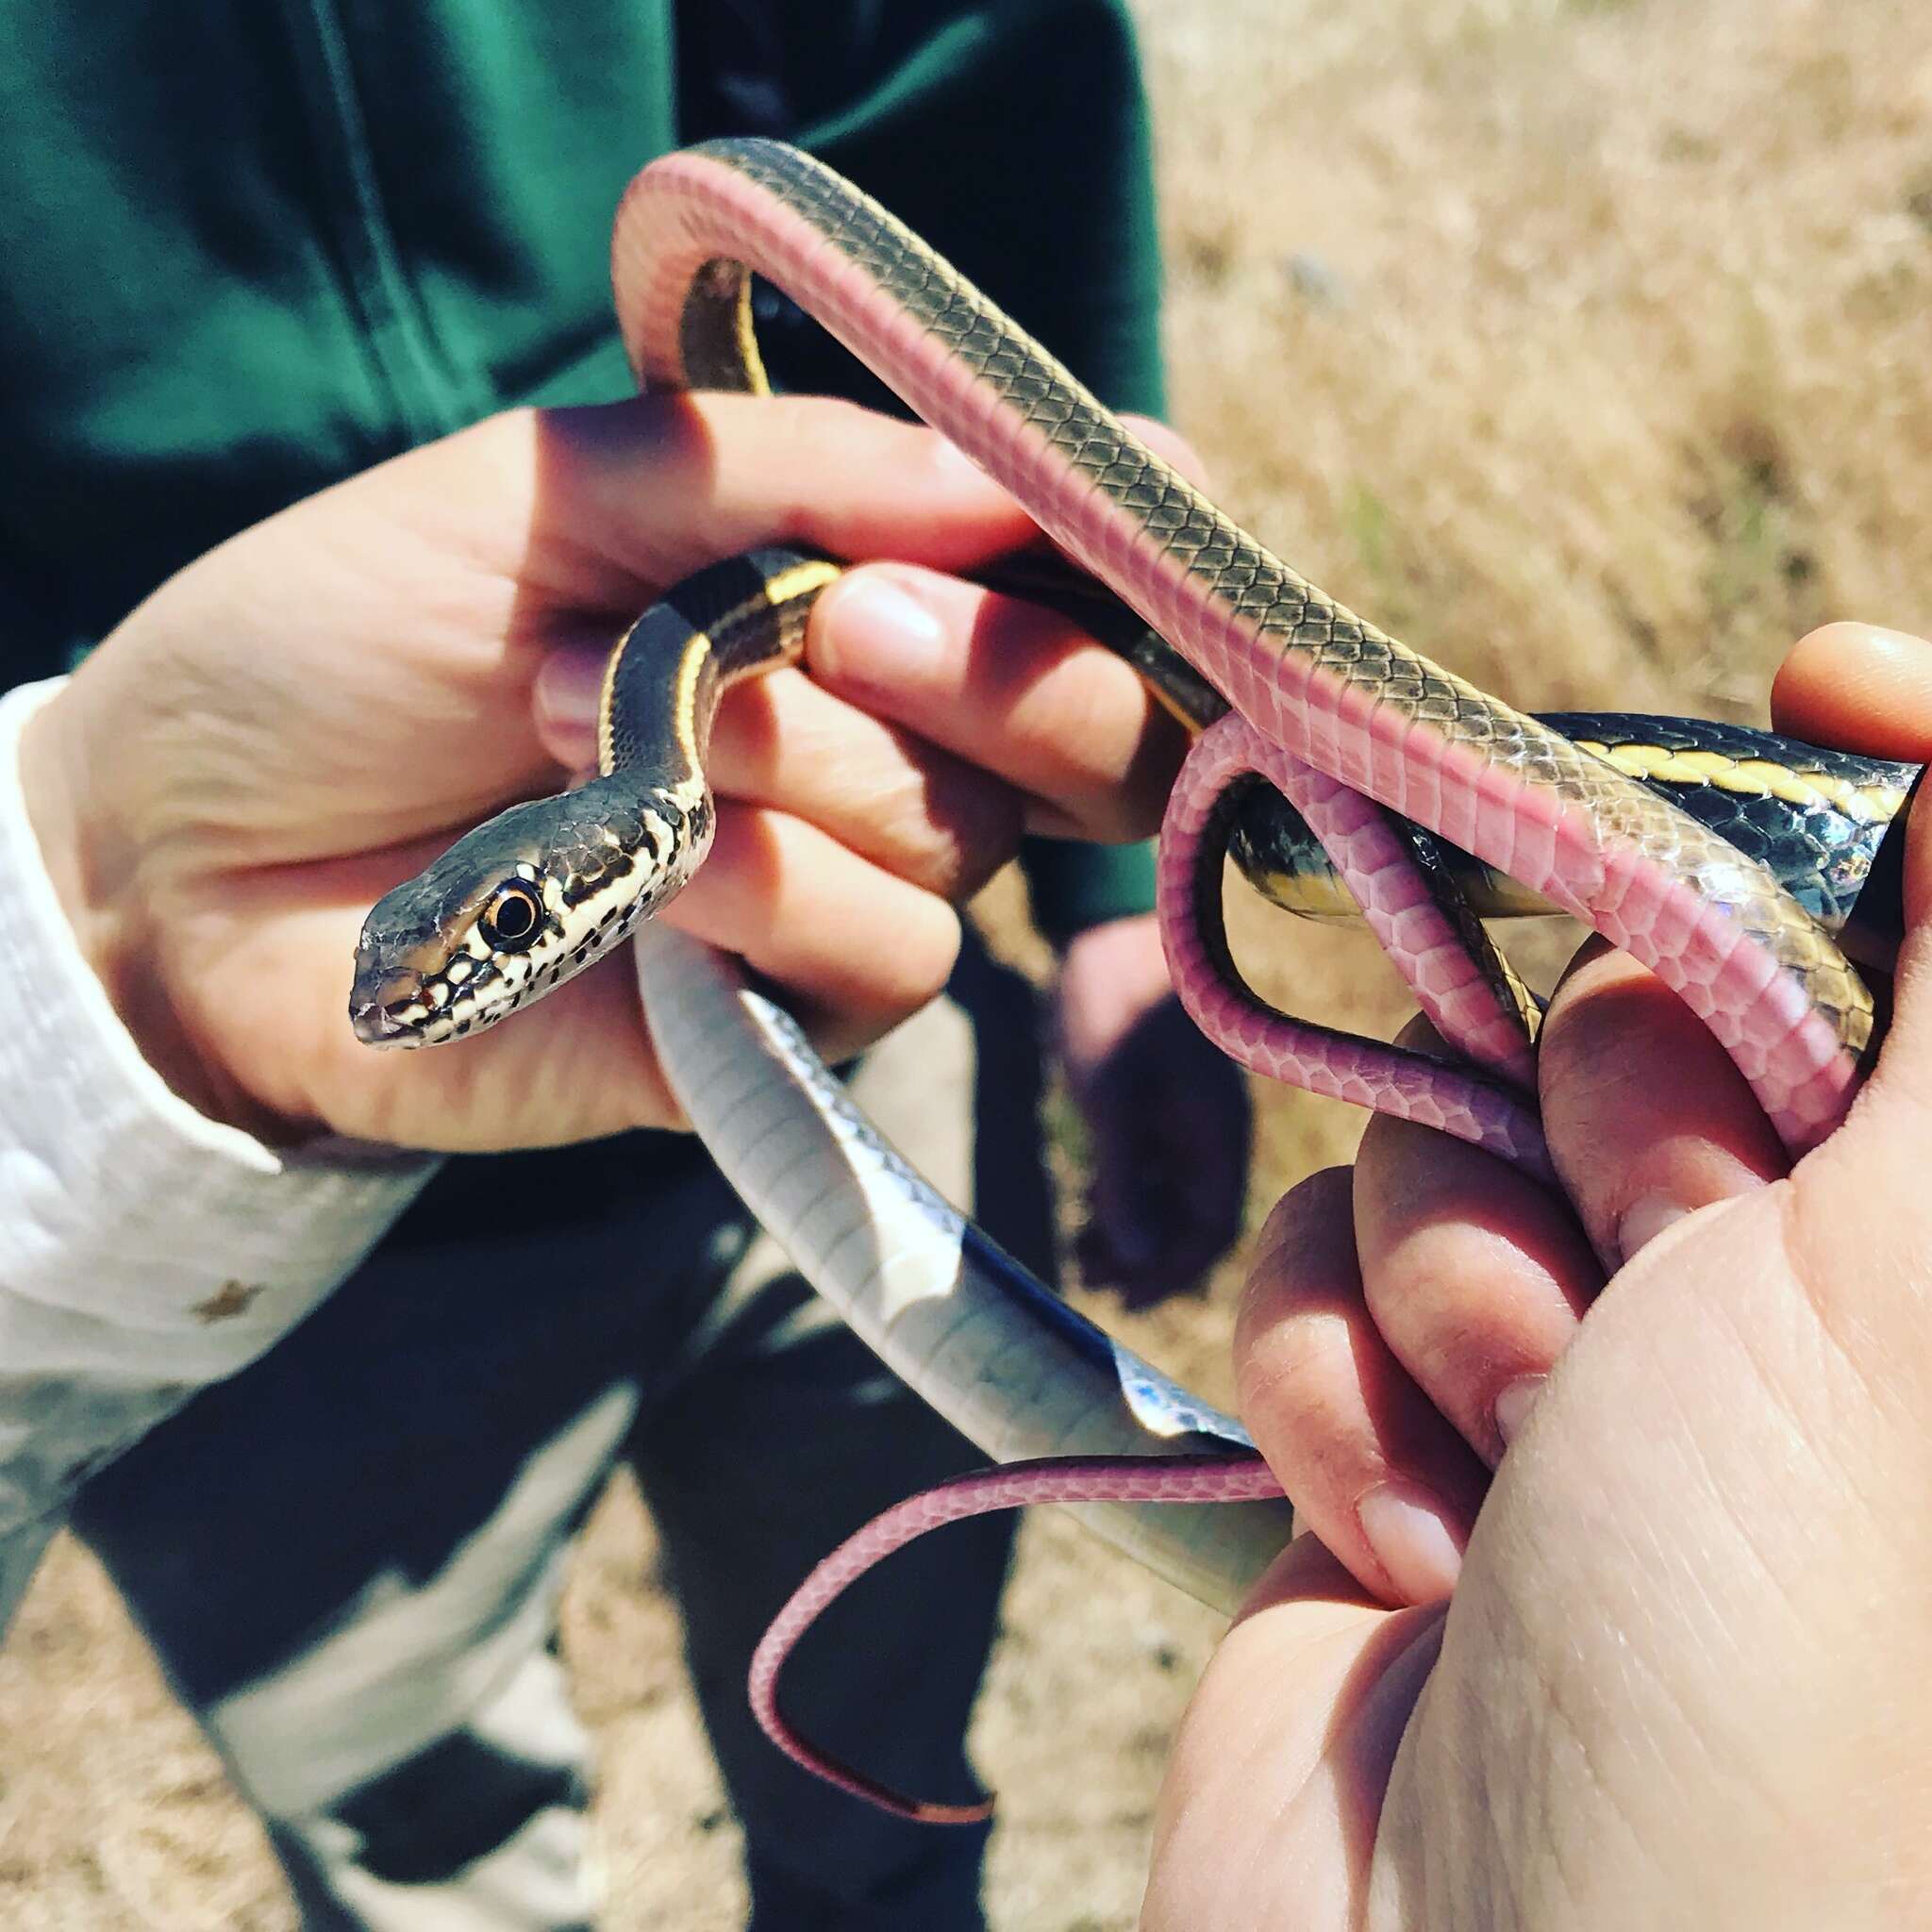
x=739 y=619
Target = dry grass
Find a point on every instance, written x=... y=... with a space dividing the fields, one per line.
x=1580 y=342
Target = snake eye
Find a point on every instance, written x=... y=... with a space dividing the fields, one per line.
x=513 y=918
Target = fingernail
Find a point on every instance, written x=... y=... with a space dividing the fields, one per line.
x=881 y=632
x=1644 y=1220
x=1514 y=1403
x=1412 y=1542
x=570 y=686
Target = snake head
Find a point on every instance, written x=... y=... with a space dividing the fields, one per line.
x=511 y=910
x=454 y=948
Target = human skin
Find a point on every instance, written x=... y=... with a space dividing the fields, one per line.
x=1661 y=1662
x=303 y=717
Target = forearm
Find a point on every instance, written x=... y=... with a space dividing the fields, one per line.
x=144 y=1249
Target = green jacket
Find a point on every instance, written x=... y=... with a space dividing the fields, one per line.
x=249 y=247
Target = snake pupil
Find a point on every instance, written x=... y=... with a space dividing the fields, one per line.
x=513 y=918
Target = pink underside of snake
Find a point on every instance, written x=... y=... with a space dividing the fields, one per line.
x=691 y=208
x=1415 y=932
x=1305 y=729
x=1059 y=1479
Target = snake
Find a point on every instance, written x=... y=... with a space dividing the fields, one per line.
x=1340 y=768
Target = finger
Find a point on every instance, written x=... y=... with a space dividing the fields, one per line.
x=921 y=684
x=1859 y=687
x=1647 y=1118
x=1372 y=1467
x=624 y=499
x=785 y=741
x=944 y=511
x=1476 y=1275
x=462 y=557
x=1857 y=1218
x=1268 y=1807
x=543 y=527
x=1004 y=685
x=567 y=699
x=883 y=791
x=788 y=899
x=1868 y=689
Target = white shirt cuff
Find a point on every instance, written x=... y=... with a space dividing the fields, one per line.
x=144 y=1249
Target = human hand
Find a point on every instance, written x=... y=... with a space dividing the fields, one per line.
x=1166 y=1115
x=1677 y=1681
x=307 y=714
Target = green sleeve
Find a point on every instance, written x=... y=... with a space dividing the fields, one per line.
x=336 y=232
x=1015 y=138
x=1074 y=887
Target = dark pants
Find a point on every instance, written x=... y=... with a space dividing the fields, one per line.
x=348 y=1556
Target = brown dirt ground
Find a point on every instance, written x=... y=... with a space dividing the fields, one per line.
x=1580 y=342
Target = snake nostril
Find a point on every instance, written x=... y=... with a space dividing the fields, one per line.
x=377 y=1002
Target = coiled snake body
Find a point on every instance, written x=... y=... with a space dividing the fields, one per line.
x=1416 y=784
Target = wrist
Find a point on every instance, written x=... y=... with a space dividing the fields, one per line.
x=88 y=869
x=1076 y=887
x=94 y=867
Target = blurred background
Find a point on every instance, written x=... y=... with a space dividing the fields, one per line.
x=1582 y=343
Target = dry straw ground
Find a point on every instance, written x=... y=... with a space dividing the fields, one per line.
x=1582 y=343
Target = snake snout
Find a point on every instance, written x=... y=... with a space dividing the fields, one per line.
x=377 y=1000
x=376 y=1025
